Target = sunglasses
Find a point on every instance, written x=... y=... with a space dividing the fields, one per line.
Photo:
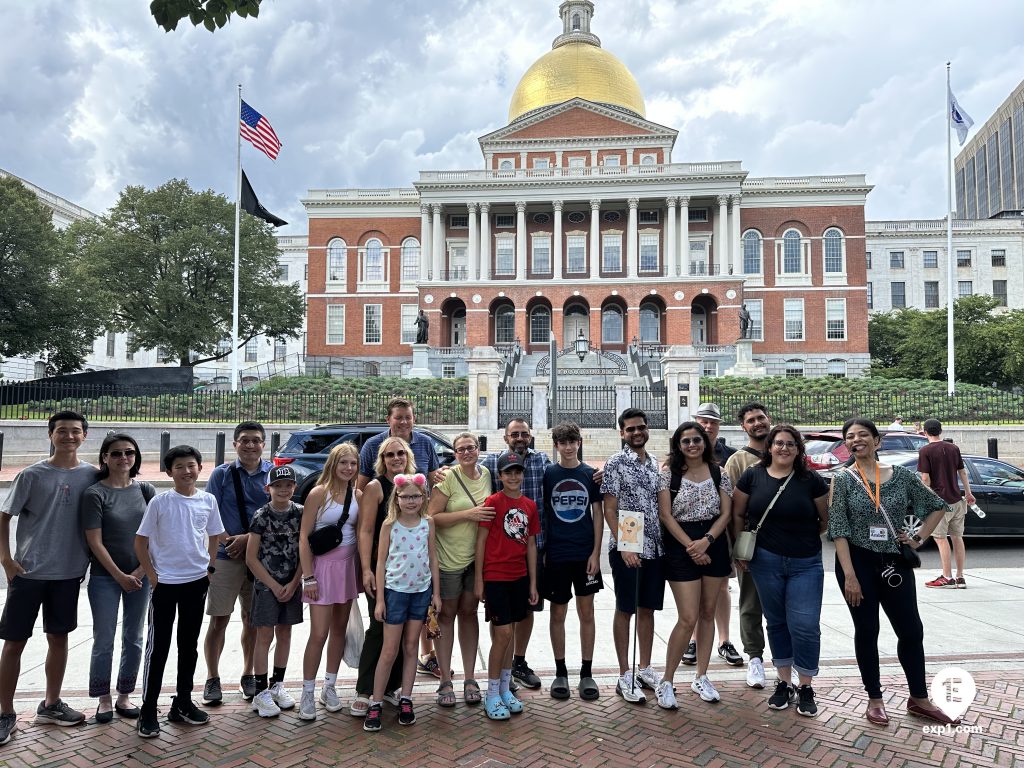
x=127 y=454
x=518 y=434
x=394 y=454
x=691 y=441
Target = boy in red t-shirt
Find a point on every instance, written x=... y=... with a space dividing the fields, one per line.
x=506 y=578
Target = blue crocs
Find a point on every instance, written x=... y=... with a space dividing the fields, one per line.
x=496 y=709
x=514 y=705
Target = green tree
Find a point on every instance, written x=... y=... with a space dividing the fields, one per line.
x=166 y=259
x=47 y=306
x=212 y=14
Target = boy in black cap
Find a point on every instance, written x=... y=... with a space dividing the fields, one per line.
x=506 y=578
x=272 y=554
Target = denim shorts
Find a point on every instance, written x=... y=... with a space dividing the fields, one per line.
x=400 y=607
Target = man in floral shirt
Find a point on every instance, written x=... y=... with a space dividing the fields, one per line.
x=632 y=482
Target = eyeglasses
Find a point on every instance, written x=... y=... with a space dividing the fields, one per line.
x=467 y=449
x=394 y=454
x=127 y=454
x=780 y=444
x=691 y=441
x=250 y=441
x=518 y=434
x=408 y=496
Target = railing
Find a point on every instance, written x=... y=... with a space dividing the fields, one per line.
x=653 y=401
x=646 y=357
x=698 y=268
x=515 y=403
x=456 y=352
x=805 y=182
x=458 y=273
x=608 y=363
x=511 y=353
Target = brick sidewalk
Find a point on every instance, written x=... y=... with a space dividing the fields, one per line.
x=737 y=733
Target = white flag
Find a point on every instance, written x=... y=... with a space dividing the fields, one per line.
x=960 y=120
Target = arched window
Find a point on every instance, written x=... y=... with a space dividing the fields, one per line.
x=336 y=250
x=575 y=22
x=374 y=261
x=836 y=369
x=650 y=323
x=794 y=369
x=39 y=369
x=540 y=325
x=410 y=259
x=752 y=252
x=611 y=325
x=791 y=252
x=834 y=251
x=505 y=325
x=506 y=165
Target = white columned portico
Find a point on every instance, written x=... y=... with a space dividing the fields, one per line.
x=437 y=250
x=683 y=261
x=670 y=237
x=556 y=251
x=722 y=235
x=474 y=243
x=734 y=234
x=485 y=240
x=595 y=239
x=631 y=236
x=520 y=240
x=425 y=243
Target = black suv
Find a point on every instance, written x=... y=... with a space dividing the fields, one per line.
x=306 y=450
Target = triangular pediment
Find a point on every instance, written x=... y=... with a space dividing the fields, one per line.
x=576 y=119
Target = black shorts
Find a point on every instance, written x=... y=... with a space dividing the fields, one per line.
x=58 y=598
x=651 y=579
x=562 y=579
x=267 y=611
x=506 y=602
x=679 y=566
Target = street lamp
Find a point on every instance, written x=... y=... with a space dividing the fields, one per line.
x=581 y=345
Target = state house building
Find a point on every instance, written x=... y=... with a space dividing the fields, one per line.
x=579 y=221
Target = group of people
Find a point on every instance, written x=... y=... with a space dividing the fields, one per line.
x=512 y=530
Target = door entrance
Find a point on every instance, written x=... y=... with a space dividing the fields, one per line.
x=698 y=325
x=575 y=320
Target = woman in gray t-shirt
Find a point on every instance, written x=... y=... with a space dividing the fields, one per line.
x=111 y=512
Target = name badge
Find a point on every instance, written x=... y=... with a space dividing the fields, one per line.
x=878 y=533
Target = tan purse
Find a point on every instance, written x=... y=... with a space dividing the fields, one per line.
x=746 y=542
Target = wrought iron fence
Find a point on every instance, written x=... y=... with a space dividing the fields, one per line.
x=654 y=402
x=587 y=406
x=515 y=403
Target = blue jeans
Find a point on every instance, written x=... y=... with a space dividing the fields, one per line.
x=105 y=596
x=790 y=591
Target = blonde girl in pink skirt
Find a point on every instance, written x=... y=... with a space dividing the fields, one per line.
x=330 y=582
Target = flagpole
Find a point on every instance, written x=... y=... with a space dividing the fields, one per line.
x=950 y=353
x=238 y=218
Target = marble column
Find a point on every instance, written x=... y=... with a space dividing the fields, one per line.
x=631 y=236
x=683 y=263
x=556 y=249
x=670 y=237
x=722 y=235
x=734 y=235
x=426 y=241
x=485 y=241
x=437 y=250
x=474 y=243
x=595 y=239
x=520 y=240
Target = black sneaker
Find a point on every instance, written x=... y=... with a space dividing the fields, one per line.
x=525 y=675
x=8 y=725
x=187 y=712
x=784 y=694
x=405 y=714
x=728 y=652
x=58 y=713
x=806 y=705
x=247 y=687
x=372 y=720
x=690 y=657
x=147 y=726
x=212 y=694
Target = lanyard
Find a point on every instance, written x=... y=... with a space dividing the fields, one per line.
x=876 y=497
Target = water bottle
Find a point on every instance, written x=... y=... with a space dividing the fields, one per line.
x=978 y=510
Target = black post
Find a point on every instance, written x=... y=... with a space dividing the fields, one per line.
x=483 y=443
x=218 y=458
x=993 y=447
x=1 y=450
x=165 y=445
x=275 y=443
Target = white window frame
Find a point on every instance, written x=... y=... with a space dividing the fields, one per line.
x=224 y=347
x=369 y=278
x=504 y=244
x=252 y=350
x=506 y=164
x=410 y=261
x=749 y=237
x=870 y=295
x=969 y=258
x=282 y=271
x=335 y=326
x=458 y=259
x=803 y=275
x=835 y=319
x=835 y=276
x=934 y=259
x=755 y=307
x=964 y=288
x=577 y=162
x=709 y=368
x=538 y=311
x=337 y=264
x=698 y=266
x=893 y=256
x=648 y=240
x=409 y=329
x=892 y=285
x=612 y=161
x=835 y=362
x=541 y=163
x=502 y=311
x=447 y=370
x=650 y=307
x=613 y=309
x=611 y=240
x=790 y=330
x=458 y=221
x=790 y=373
x=504 y=221
x=368 y=311
x=647 y=159
x=543 y=240
x=576 y=247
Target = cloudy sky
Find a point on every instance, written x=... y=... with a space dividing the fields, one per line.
x=367 y=93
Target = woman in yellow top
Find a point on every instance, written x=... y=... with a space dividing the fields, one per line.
x=456 y=506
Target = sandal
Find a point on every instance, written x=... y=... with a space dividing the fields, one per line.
x=496 y=709
x=471 y=691
x=588 y=689
x=360 y=706
x=446 y=694
x=560 y=688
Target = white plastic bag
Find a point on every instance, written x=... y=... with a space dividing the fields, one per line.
x=354 y=634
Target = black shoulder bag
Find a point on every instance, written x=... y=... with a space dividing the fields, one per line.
x=323 y=540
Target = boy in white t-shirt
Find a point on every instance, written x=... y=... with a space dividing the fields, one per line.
x=177 y=546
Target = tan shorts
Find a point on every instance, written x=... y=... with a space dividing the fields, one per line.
x=454 y=583
x=952 y=523
x=229 y=583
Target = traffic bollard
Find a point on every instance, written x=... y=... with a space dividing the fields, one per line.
x=218 y=451
x=483 y=443
x=165 y=445
x=275 y=443
x=993 y=448
x=1 y=450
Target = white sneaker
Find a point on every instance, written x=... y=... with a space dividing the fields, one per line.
x=264 y=704
x=393 y=697
x=281 y=697
x=329 y=698
x=755 y=673
x=666 y=696
x=648 y=678
x=307 y=706
x=703 y=688
x=625 y=688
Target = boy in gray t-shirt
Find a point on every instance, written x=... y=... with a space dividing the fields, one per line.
x=47 y=568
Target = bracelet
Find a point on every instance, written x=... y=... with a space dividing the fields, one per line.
x=307 y=580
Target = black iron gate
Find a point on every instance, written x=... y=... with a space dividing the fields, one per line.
x=515 y=403
x=587 y=406
x=653 y=402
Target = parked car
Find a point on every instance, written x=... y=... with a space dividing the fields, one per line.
x=307 y=449
x=998 y=488
x=827 y=449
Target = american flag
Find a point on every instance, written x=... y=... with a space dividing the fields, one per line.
x=256 y=129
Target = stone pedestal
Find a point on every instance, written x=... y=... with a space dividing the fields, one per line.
x=485 y=367
x=745 y=365
x=681 y=371
x=420 y=364
x=541 y=385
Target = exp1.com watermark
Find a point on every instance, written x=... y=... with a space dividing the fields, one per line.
x=953 y=691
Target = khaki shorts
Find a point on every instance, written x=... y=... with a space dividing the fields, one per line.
x=952 y=523
x=454 y=583
x=229 y=583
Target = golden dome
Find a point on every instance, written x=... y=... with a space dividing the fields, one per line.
x=576 y=69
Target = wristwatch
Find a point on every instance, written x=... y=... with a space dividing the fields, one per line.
x=710 y=537
x=210 y=569
x=916 y=537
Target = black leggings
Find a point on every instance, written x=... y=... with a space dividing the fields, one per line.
x=188 y=601
x=900 y=606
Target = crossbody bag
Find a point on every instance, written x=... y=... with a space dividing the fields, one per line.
x=323 y=540
x=746 y=542
x=907 y=552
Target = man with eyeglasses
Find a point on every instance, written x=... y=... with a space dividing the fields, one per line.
x=239 y=487
x=753 y=418
x=400 y=419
